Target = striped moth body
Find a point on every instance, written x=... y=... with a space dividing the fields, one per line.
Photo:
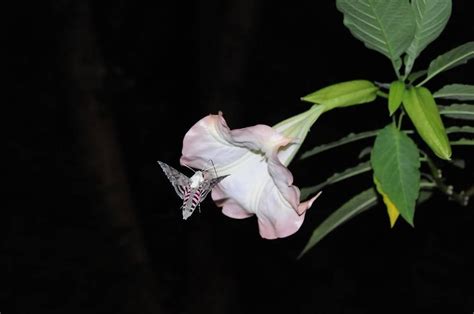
x=191 y=190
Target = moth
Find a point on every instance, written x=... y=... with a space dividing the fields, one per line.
x=191 y=190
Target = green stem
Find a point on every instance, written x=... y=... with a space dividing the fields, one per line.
x=424 y=81
x=461 y=198
x=397 y=71
x=382 y=94
x=400 y=119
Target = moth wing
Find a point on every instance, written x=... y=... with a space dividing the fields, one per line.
x=179 y=181
x=209 y=184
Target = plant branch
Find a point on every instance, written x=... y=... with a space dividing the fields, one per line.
x=461 y=198
x=382 y=94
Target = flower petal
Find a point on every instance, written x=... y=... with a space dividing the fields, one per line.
x=231 y=208
x=259 y=138
x=283 y=180
x=259 y=183
x=210 y=139
x=276 y=218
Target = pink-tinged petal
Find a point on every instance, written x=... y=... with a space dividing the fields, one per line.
x=209 y=139
x=243 y=186
x=276 y=218
x=303 y=207
x=251 y=190
x=230 y=208
x=283 y=180
x=278 y=221
x=259 y=138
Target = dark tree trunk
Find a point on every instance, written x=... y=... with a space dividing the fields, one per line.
x=101 y=155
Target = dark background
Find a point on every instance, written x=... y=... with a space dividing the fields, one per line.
x=99 y=90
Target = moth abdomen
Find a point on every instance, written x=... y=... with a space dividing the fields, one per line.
x=191 y=200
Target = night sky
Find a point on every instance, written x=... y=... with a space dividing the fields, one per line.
x=98 y=91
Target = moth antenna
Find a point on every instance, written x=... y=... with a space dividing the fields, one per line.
x=189 y=168
x=215 y=171
x=211 y=167
x=206 y=169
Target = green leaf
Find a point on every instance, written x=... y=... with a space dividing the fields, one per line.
x=392 y=210
x=337 y=177
x=459 y=163
x=431 y=17
x=449 y=60
x=356 y=205
x=344 y=94
x=424 y=196
x=460 y=129
x=395 y=160
x=395 y=96
x=456 y=91
x=352 y=137
x=423 y=112
x=386 y=26
x=464 y=142
x=458 y=111
x=365 y=152
x=416 y=75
